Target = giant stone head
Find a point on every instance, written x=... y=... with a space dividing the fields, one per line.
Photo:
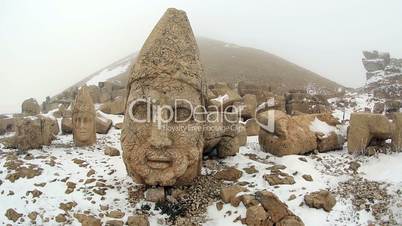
x=160 y=140
x=83 y=117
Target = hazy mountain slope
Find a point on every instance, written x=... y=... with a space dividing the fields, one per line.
x=231 y=63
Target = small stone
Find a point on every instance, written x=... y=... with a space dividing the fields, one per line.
x=255 y=215
x=292 y=197
x=87 y=220
x=302 y=159
x=320 y=199
x=12 y=215
x=115 y=214
x=60 y=218
x=249 y=200
x=111 y=151
x=67 y=206
x=99 y=191
x=70 y=187
x=274 y=207
x=354 y=166
x=90 y=172
x=277 y=167
x=114 y=223
x=33 y=215
x=250 y=170
x=307 y=177
x=79 y=162
x=155 y=194
x=279 y=178
x=139 y=220
x=90 y=180
x=35 y=193
x=228 y=193
x=118 y=125
x=40 y=184
x=104 y=207
x=219 y=206
x=229 y=174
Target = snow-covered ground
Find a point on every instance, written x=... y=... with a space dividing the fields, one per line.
x=59 y=165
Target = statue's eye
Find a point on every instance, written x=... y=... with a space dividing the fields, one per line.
x=182 y=114
x=140 y=111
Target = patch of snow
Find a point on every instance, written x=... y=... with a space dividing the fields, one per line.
x=222 y=98
x=108 y=73
x=319 y=126
x=386 y=167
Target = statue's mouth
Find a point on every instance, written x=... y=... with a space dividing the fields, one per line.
x=158 y=161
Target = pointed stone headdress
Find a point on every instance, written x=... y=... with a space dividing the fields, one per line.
x=170 y=52
x=83 y=102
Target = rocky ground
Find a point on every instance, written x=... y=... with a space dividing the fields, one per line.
x=62 y=184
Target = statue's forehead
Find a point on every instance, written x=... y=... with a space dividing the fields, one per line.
x=83 y=114
x=162 y=87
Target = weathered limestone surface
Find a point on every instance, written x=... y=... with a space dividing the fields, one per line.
x=364 y=127
x=84 y=119
x=167 y=68
x=32 y=133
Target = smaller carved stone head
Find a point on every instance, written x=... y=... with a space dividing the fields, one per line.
x=84 y=130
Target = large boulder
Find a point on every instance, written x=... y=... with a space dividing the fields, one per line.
x=287 y=136
x=103 y=124
x=226 y=96
x=223 y=133
x=7 y=125
x=242 y=136
x=277 y=211
x=67 y=125
x=252 y=127
x=138 y=220
x=298 y=134
x=299 y=101
x=261 y=91
x=365 y=127
x=94 y=92
x=30 y=107
x=323 y=126
x=370 y=55
x=378 y=108
x=329 y=142
x=227 y=194
x=115 y=107
x=320 y=199
x=249 y=106
x=33 y=133
x=119 y=93
x=392 y=106
x=397 y=136
x=374 y=64
x=256 y=216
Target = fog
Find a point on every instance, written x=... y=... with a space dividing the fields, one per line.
x=46 y=46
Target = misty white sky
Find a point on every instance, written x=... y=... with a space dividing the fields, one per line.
x=46 y=46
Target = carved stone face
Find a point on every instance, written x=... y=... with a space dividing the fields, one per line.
x=83 y=125
x=83 y=119
x=164 y=153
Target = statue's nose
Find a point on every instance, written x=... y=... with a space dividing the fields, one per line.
x=159 y=138
x=81 y=124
